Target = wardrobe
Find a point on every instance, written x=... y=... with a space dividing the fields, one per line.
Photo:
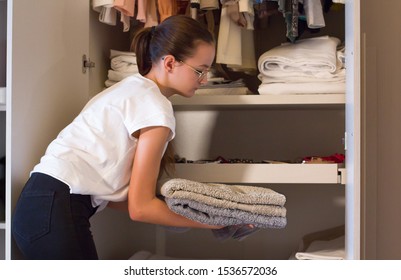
x=47 y=85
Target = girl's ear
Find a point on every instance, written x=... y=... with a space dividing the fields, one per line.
x=169 y=63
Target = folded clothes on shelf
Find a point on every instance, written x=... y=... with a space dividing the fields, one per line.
x=334 y=158
x=324 y=250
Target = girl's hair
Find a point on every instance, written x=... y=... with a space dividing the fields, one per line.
x=177 y=35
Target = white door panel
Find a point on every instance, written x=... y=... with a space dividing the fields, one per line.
x=48 y=87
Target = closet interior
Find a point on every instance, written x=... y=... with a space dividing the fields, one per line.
x=258 y=130
x=255 y=129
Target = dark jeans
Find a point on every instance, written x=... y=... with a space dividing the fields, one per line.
x=50 y=223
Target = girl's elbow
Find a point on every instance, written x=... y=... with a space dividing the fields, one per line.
x=136 y=214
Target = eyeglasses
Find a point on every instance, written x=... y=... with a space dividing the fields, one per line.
x=201 y=74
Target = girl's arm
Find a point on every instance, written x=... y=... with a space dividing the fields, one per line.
x=143 y=205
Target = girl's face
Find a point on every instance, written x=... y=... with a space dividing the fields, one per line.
x=190 y=74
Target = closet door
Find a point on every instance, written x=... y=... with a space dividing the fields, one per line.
x=353 y=130
x=381 y=115
x=48 y=86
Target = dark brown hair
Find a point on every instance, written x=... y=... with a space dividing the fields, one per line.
x=177 y=35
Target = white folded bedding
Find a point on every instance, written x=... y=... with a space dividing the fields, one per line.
x=324 y=250
x=302 y=88
x=312 y=54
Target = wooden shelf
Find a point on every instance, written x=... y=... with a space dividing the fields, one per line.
x=262 y=173
x=201 y=101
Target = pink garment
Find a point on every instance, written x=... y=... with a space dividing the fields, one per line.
x=151 y=14
x=142 y=10
x=126 y=7
x=166 y=8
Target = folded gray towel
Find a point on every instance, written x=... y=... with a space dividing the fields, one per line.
x=250 y=195
x=211 y=215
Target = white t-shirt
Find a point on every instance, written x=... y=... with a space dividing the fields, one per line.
x=94 y=154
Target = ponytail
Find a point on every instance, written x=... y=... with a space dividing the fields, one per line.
x=141 y=47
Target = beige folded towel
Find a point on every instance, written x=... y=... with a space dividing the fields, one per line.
x=222 y=193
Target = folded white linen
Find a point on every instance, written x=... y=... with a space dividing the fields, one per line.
x=124 y=64
x=118 y=76
x=324 y=250
x=114 y=53
x=302 y=88
x=312 y=54
x=109 y=83
x=302 y=77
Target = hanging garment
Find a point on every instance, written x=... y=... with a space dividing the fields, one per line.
x=151 y=14
x=98 y=4
x=235 y=46
x=142 y=10
x=107 y=13
x=209 y=4
x=229 y=47
x=127 y=10
x=126 y=7
x=166 y=8
x=314 y=13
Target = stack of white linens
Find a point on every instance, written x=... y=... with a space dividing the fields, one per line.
x=308 y=66
x=122 y=64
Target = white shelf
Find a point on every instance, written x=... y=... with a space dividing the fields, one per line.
x=259 y=100
x=2 y=225
x=262 y=173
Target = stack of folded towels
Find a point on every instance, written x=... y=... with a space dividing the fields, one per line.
x=308 y=66
x=226 y=205
x=123 y=64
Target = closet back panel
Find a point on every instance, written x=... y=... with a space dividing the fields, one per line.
x=259 y=134
x=273 y=134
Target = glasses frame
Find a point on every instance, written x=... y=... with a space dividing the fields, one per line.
x=201 y=74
